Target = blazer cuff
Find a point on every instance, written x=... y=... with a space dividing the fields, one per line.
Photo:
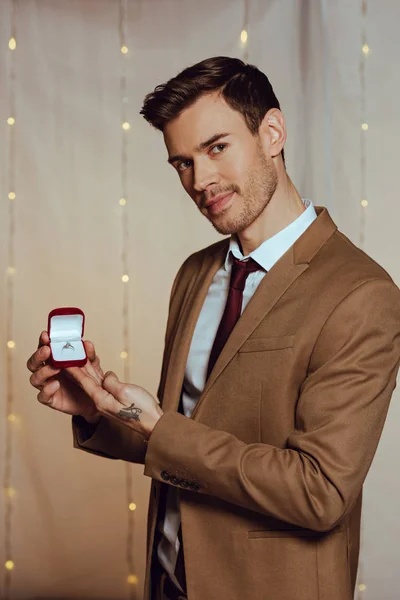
x=166 y=459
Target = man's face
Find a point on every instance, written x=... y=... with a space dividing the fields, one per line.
x=234 y=163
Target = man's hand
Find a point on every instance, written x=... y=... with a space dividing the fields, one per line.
x=59 y=391
x=127 y=403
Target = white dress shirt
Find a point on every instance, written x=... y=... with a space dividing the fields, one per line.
x=266 y=255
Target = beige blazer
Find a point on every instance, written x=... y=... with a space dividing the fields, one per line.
x=272 y=462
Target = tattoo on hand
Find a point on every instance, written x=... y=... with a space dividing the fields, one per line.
x=129 y=412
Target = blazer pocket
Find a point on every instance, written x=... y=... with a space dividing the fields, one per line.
x=267 y=343
x=292 y=533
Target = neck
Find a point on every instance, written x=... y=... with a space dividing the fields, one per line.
x=283 y=208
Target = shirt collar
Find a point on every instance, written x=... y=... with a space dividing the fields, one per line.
x=270 y=251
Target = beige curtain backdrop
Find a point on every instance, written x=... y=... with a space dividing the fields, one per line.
x=70 y=510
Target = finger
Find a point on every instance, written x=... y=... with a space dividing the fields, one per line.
x=41 y=376
x=112 y=384
x=37 y=359
x=88 y=369
x=43 y=339
x=90 y=383
x=46 y=395
x=93 y=358
x=90 y=350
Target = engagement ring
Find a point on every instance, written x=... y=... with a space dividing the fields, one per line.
x=68 y=348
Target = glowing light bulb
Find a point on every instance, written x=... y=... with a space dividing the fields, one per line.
x=11 y=344
x=126 y=125
x=12 y=44
x=122 y=201
x=364 y=202
x=132 y=579
x=124 y=354
x=11 y=270
x=125 y=278
x=10 y=492
x=11 y=196
x=9 y=565
x=364 y=126
x=11 y=120
x=243 y=36
x=362 y=587
x=132 y=506
x=124 y=50
x=12 y=418
x=366 y=49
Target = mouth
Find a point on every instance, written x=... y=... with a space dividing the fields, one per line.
x=216 y=206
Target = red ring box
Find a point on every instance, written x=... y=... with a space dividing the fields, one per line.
x=66 y=324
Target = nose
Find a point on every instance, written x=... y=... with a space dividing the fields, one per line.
x=204 y=175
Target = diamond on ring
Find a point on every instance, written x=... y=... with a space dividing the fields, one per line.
x=68 y=348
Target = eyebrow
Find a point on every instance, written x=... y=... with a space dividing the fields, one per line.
x=200 y=147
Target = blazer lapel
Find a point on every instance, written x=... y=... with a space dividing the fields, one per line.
x=180 y=345
x=274 y=284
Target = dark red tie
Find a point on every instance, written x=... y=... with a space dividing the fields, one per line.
x=240 y=270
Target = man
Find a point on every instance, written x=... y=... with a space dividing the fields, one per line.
x=282 y=348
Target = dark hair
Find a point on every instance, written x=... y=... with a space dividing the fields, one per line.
x=244 y=88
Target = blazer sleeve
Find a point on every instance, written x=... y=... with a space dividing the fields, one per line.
x=109 y=439
x=342 y=406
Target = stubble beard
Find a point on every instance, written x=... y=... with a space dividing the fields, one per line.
x=248 y=206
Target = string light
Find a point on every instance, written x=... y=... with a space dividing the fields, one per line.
x=12 y=418
x=10 y=492
x=364 y=125
x=244 y=34
x=363 y=217
x=123 y=20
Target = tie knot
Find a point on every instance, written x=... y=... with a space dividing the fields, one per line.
x=240 y=270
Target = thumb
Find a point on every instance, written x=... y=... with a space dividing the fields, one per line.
x=112 y=384
x=110 y=373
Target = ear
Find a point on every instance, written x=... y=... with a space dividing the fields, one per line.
x=272 y=132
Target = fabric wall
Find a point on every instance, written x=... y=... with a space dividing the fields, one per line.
x=70 y=511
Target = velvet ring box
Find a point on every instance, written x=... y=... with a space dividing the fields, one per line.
x=65 y=328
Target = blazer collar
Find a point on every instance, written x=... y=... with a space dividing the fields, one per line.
x=314 y=237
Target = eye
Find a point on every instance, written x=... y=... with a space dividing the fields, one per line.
x=184 y=162
x=181 y=166
x=223 y=146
